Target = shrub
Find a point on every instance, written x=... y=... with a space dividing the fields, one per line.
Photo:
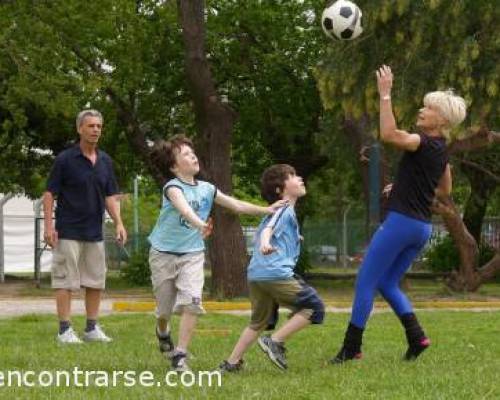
x=443 y=255
x=304 y=262
x=136 y=272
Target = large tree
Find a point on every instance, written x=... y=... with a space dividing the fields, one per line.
x=127 y=59
x=215 y=123
x=124 y=58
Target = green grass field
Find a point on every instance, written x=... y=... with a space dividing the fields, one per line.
x=463 y=362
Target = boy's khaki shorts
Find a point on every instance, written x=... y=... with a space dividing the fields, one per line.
x=293 y=294
x=77 y=264
x=177 y=282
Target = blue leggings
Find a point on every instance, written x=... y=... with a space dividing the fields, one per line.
x=393 y=248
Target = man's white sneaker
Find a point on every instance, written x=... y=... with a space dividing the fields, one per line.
x=96 y=335
x=69 y=336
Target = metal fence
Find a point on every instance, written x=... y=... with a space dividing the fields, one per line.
x=338 y=244
x=334 y=243
x=328 y=244
x=490 y=232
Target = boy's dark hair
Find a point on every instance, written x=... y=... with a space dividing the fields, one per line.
x=273 y=180
x=164 y=152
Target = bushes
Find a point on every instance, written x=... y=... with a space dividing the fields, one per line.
x=304 y=262
x=136 y=272
x=443 y=256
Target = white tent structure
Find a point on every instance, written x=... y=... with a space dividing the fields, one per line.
x=17 y=241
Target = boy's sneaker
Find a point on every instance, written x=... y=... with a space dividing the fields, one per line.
x=165 y=343
x=69 y=336
x=179 y=362
x=228 y=367
x=96 y=335
x=274 y=350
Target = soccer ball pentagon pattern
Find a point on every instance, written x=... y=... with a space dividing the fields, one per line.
x=342 y=20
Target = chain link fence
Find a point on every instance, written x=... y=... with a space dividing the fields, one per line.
x=328 y=244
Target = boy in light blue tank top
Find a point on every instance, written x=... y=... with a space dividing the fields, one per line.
x=271 y=278
x=177 y=255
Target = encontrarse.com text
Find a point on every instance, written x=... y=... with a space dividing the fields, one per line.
x=83 y=378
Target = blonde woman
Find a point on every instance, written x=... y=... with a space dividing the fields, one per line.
x=423 y=171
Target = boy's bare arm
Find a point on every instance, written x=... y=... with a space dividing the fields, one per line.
x=176 y=197
x=265 y=241
x=244 y=207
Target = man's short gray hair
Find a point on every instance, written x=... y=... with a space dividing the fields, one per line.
x=87 y=113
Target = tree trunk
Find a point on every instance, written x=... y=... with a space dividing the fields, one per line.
x=469 y=276
x=465 y=278
x=214 y=122
x=475 y=209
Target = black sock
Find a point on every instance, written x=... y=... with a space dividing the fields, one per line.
x=351 y=348
x=353 y=338
x=91 y=323
x=417 y=341
x=64 y=326
x=413 y=330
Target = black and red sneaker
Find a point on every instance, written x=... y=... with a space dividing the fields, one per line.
x=346 y=354
x=415 y=349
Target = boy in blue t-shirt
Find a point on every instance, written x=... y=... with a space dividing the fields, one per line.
x=271 y=279
x=177 y=255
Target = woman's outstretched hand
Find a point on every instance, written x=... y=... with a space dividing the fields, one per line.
x=384 y=80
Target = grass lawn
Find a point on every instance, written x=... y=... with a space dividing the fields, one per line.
x=463 y=362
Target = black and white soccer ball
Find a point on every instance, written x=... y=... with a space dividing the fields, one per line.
x=342 y=20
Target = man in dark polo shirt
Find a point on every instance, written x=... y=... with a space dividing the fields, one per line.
x=83 y=182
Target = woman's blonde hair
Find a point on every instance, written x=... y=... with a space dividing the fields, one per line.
x=450 y=106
